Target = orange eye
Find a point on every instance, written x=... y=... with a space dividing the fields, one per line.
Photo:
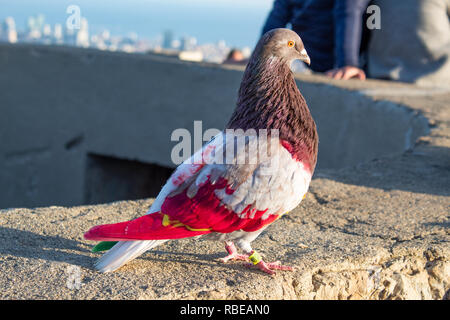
x=291 y=44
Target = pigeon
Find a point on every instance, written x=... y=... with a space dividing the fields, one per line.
x=245 y=178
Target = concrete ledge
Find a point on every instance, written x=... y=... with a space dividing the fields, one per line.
x=375 y=230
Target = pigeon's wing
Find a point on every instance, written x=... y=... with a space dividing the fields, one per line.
x=237 y=182
x=154 y=225
x=247 y=183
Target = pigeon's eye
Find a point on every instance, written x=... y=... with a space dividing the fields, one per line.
x=290 y=44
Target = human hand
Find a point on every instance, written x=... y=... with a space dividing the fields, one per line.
x=345 y=73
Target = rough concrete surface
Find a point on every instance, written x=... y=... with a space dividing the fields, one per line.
x=376 y=230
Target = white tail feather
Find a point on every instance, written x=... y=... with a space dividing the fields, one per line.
x=123 y=252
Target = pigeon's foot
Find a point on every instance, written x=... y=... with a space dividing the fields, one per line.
x=268 y=267
x=233 y=254
x=234 y=257
x=255 y=258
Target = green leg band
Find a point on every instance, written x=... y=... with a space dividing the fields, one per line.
x=255 y=258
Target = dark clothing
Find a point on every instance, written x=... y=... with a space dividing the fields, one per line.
x=330 y=29
x=349 y=26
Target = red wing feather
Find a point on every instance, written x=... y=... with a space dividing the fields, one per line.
x=183 y=217
x=205 y=210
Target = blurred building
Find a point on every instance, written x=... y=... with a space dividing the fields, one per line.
x=167 y=39
x=188 y=43
x=35 y=28
x=47 y=37
x=69 y=36
x=9 y=33
x=58 y=34
x=185 y=48
x=82 y=34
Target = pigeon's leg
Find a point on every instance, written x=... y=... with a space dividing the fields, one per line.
x=268 y=267
x=232 y=253
x=257 y=261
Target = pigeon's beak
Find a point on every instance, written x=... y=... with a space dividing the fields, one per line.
x=304 y=57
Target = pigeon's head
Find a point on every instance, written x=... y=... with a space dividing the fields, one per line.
x=282 y=44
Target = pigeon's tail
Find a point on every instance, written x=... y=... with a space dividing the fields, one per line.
x=137 y=236
x=123 y=252
x=155 y=226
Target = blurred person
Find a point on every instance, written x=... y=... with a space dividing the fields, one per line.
x=331 y=31
x=413 y=44
x=235 y=56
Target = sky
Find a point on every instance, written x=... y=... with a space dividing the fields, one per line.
x=238 y=22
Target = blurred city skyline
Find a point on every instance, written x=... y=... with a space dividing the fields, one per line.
x=237 y=23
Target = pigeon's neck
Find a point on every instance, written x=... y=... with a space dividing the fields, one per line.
x=269 y=99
